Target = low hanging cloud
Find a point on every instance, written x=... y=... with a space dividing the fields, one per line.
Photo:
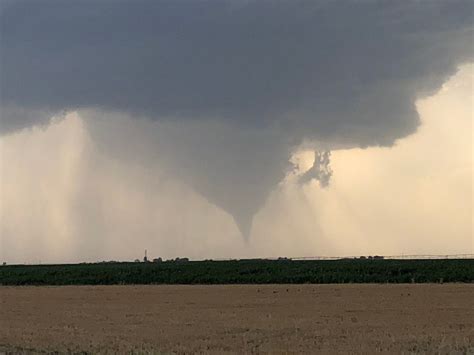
x=321 y=169
x=221 y=93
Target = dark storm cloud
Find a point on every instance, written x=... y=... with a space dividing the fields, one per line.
x=229 y=88
x=343 y=72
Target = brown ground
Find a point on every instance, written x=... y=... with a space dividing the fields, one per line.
x=244 y=319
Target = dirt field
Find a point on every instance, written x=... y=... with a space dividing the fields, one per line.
x=245 y=319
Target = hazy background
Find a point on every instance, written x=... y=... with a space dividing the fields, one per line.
x=227 y=128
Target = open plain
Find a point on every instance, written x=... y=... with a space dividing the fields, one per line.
x=358 y=318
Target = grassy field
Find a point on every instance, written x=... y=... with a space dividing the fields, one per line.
x=238 y=319
x=243 y=272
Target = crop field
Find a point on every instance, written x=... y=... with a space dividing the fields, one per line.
x=241 y=306
x=357 y=318
x=259 y=271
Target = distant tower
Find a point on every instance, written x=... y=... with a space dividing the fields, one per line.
x=145 y=259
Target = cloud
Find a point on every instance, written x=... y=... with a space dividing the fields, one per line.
x=345 y=72
x=234 y=168
x=320 y=171
x=64 y=198
x=222 y=92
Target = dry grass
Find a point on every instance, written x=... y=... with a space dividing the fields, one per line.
x=356 y=318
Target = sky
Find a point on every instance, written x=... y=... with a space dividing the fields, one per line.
x=226 y=129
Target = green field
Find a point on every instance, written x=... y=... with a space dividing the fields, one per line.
x=242 y=272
